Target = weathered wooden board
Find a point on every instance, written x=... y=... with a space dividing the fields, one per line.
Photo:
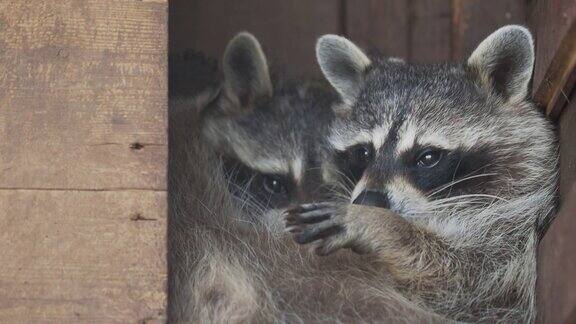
x=473 y=20
x=287 y=29
x=557 y=267
x=379 y=25
x=431 y=30
x=567 y=132
x=92 y=257
x=554 y=26
x=80 y=83
x=83 y=96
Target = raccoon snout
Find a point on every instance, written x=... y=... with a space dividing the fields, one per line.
x=372 y=198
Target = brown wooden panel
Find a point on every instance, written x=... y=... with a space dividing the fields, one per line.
x=83 y=99
x=80 y=83
x=70 y=257
x=287 y=29
x=431 y=30
x=554 y=26
x=473 y=20
x=557 y=267
x=379 y=25
x=567 y=132
x=550 y=21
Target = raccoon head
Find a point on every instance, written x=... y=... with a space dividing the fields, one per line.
x=418 y=138
x=268 y=135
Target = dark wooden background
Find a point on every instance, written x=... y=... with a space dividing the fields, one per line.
x=419 y=31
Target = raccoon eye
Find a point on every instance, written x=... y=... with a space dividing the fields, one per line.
x=273 y=185
x=361 y=156
x=429 y=158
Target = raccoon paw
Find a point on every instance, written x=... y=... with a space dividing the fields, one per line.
x=320 y=222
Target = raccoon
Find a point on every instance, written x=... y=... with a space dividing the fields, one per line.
x=229 y=263
x=454 y=170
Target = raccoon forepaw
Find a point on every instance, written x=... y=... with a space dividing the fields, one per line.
x=318 y=222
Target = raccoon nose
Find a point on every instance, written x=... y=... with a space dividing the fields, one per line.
x=372 y=198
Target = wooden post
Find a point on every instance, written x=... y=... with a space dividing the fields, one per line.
x=83 y=101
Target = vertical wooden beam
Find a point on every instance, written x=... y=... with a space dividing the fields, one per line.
x=554 y=26
x=431 y=30
x=83 y=98
x=474 y=20
x=381 y=26
x=287 y=30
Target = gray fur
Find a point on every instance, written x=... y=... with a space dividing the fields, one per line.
x=223 y=271
x=246 y=75
x=226 y=268
x=477 y=248
x=343 y=64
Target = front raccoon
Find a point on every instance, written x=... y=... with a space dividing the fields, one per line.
x=461 y=164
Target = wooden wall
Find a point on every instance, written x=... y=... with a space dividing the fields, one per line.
x=417 y=30
x=83 y=96
x=553 y=23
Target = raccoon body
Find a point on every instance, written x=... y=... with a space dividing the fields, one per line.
x=448 y=170
x=453 y=172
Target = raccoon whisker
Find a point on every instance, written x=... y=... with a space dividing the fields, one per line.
x=450 y=184
x=473 y=196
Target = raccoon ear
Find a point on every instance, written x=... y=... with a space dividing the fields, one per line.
x=246 y=75
x=504 y=62
x=343 y=64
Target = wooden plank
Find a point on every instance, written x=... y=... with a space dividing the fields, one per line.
x=70 y=257
x=554 y=26
x=552 y=22
x=557 y=267
x=83 y=97
x=381 y=26
x=287 y=29
x=474 y=20
x=556 y=261
x=567 y=134
x=431 y=30
x=80 y=84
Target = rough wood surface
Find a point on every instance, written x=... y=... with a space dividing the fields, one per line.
x=287 y=29
x=92 y=257
x=80 y=84
x=474 y=20
x=554 y=26
x=379 y=25
x=557 y=267
x=83 y=98
x=551 y=21
x=556 y=255
x=431 y=27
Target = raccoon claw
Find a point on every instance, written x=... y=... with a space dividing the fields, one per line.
x=307 y=214
x=312 y=222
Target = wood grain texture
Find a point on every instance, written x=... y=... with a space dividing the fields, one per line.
x=557 y=251
x=381 y=26
x=287 y=29
x=474 y=20
x=554 y=26
x=92 y=257
x=431 y=31
x=80 y=82
x=549 y=20
x=557 y=267
x=83 y=98
x=567 y=134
